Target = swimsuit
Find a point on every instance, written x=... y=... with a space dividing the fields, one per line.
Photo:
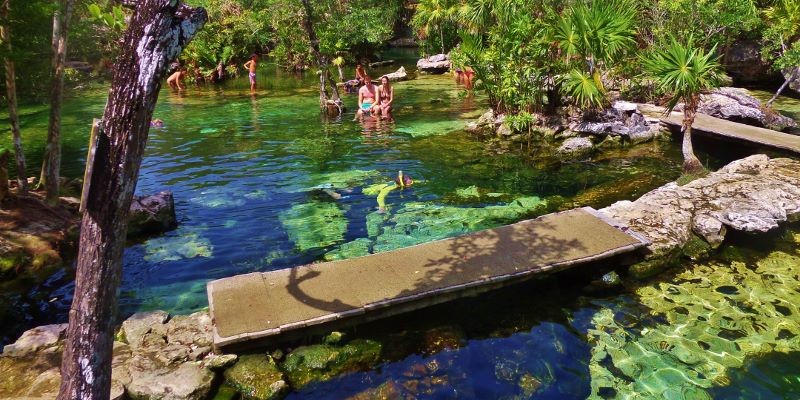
x=365 y=106
x=252 y=77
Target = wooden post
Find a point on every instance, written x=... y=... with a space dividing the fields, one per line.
x=157 y=33
x=90 y=155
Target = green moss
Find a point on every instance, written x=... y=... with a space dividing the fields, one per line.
x=343 y=179
x=314 y=225
x=468 y=192
x=356 y=248
x=696 y=248
x=687 y=178
x=182 y=244
x=11 y=262
x=321 y=362
x=256 y=376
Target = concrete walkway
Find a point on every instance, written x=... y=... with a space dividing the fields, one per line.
x=256 y=306
x=737 y=131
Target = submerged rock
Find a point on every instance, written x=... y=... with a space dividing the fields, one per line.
x=735 y=104
x=152 y=214
x=256 y=376
x=314 y=225
x=706 y=321
x=321 y=362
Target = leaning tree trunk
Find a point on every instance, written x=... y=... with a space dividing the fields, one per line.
x=51 y=165
x=158 y=32
x=11 y=93
x=322 y=61
x=691 y=164
x=793 y=74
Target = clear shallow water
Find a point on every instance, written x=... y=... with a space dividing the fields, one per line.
x=250 y=177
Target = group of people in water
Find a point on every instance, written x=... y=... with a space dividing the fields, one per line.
x=373 y=100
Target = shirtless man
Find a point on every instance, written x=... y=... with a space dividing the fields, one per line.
x=367 y=97
x=251 y=66
x=175 y=80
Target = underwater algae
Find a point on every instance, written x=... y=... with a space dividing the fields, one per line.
x=186 y=242
x=316 y=224
x=708 y=320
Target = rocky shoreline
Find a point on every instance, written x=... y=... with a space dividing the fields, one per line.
x=625 y=123
x=158 y=357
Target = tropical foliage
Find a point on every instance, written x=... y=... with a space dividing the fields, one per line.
x=684 y=71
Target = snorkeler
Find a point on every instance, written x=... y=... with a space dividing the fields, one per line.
x=402 y=181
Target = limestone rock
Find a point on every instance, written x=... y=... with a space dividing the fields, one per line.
x=150 y=381
x=398 y=76
x=257 y=376
x=140 y=324
x=794 y=73
x=220 y=362
x=321 y=362
x=710 y=229
x=36 y=339
x=575 y=148
x=193 y=331
x=754 y=194
x=436 y=64
x=152 y=214
x=735 y=104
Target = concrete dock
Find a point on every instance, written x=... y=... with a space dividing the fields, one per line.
x=741 y=132
x=264 y=306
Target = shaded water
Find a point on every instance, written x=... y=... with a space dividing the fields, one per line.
x=253 y=178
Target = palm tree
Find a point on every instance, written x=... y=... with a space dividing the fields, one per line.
x=684 y=71
x=434 y=14
x=590 y=37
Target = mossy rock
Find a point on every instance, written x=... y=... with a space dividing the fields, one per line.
x=322 y=362
x=11 y=262
x=649 y=268
x=697 y=249
x=256 y=376
x=356 y=248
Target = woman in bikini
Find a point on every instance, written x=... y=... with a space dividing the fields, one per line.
x=385 y=98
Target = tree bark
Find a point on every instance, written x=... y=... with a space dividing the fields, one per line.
x=51 y=165
x=4 y=156
x=792 y=76
x=691 y=164
x=322 y=61
x=158 y=32
x=11 y=93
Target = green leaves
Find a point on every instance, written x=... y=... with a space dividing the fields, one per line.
x=114 y=19
x=584 y=89
x=684 y=71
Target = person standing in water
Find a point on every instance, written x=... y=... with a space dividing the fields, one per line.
x=175 y=80
x=251 y=66
x=367 y=97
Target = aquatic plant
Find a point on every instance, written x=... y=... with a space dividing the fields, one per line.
x=314 y=225
x=183 y=243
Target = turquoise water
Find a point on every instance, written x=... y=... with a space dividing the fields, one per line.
x=264 y=183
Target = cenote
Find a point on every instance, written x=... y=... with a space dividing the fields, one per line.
x=264 y=183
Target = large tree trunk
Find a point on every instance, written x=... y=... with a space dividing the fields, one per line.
x=11 y=93
x=794 y=74
x=325 y=79
x=158 y=32
x=691 y=164
x=51 y=165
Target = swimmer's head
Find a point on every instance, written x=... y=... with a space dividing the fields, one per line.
x=407 y=181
